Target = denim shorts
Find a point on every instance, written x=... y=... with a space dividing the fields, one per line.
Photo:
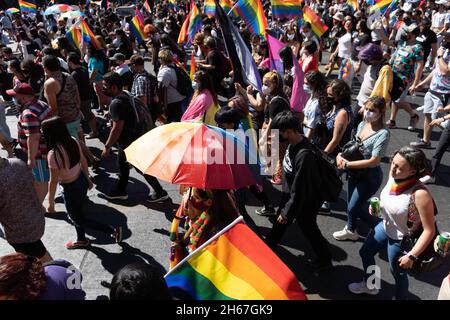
x=73 y=127
x=41 y=172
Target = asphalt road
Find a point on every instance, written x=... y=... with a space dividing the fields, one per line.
x=146 y=228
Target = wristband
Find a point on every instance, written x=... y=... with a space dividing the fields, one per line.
x=345 y=164
x=411 y=257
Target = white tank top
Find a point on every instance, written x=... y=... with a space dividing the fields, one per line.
x=395 y=210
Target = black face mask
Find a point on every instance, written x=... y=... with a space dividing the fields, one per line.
x=366 y=62
x=404 y=37
x=407 y=21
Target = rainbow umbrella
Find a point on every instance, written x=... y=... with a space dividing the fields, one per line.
x=195 y=154
x=60 y=8
x=12 y=11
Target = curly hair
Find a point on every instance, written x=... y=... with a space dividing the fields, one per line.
x=21 y=277
x=341 y=91
x=318 y=84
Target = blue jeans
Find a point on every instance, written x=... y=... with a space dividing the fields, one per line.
x=75 y=195
x=359 y=192
x=377 y=240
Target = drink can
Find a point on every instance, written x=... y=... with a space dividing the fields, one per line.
x=444 y=243
x=375 y=206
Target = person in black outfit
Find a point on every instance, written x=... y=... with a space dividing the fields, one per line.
x=123 y=133
x=301 y=184
x=428 y=40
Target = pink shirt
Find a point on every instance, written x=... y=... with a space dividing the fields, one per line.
x=66 y=175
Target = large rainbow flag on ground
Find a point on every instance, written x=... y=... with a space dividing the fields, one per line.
x=27 y=7
x=234 y=265
x=252 y=12
x=318 y=26
x=286 y=8
x=88 y=36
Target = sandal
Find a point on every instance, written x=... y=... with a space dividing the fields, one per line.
x=77 y=244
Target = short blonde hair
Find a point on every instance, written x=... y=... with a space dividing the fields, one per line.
x=166 y=56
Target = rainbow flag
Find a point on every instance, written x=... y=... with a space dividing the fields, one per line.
x=87 y=35
x=380 y=5
x=318 y=27
x=172 y=4
x=195 y=22
x=184 y=31
x=234 y=265
x=140 y=18
x=136 y=28
x=193 y=67
x=354 y=4
x=147 y=6
x=27 y=7
x=179 y=65
x=227 y=5
x=390 y=8
x=252 y=12
x=209 y=8
x=74 y=36
x=286 y=8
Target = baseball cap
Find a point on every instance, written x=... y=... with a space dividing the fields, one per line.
x=370 y=52
x=338 y=16
x=23 y=88
x=118 y=56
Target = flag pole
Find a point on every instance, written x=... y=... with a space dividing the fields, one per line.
x=232 y=224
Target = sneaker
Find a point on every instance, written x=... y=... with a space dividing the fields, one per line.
x=92 y=135
x=266 y=211
x=420 y=109
x=116 y=195
x=158 y=197
x=346 y=234
x=413 y=122
x=77 y=245
x=391 y=124
x=276 y=181
x=361 y=287
x=420 y=144
x=117 y=235
x=326 y=207
x=428 y=179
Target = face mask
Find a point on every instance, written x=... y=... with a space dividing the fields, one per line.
x=404 y=37
x=407 y=21
x=265 y=90
x=290 y=36
x=446 y=45
x=199 y=205
x=195 y=85
x=371 y=116
x=367 y=62
x=306 y=88
x=167 y=30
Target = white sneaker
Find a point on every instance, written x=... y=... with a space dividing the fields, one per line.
x=428 y=179
x=346 y=234
x=361 y=287
x=419 y=109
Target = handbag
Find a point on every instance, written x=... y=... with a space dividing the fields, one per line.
x=429 y=259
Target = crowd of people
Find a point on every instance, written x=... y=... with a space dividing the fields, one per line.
x=64 y=95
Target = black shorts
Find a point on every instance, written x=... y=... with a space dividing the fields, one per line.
x=34 y=249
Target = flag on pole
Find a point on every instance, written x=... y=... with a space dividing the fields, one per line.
x=318 y=26
x=147 y=6
x=87 y=36
x=227 y=5
x=286 y=8
x=244 y=67
x=354 y=4
x=27 y=6
x=193 y=67
x=252 y=12
x=74 y=36
x=382 y=6
x=234 y=265
x=209 y=8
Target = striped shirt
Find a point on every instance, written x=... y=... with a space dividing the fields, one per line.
x=29 y=123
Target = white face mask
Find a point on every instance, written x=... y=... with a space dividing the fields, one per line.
x=306 y=88
x=291 y=36
x=371 y=116
x=195 y=85
x=265 y=90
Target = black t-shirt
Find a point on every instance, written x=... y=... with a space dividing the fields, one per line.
x=276 y=105
x=81 y=76
x=127 y=79
x=120 y=108
x=213 y=58
x=427 y=38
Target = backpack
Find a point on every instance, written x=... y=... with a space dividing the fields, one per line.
x=184 y=83
x=143 y=117
x=331 y=184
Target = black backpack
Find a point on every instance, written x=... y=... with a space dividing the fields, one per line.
x=143 y=117
x=184 y=83
x=331 y=184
